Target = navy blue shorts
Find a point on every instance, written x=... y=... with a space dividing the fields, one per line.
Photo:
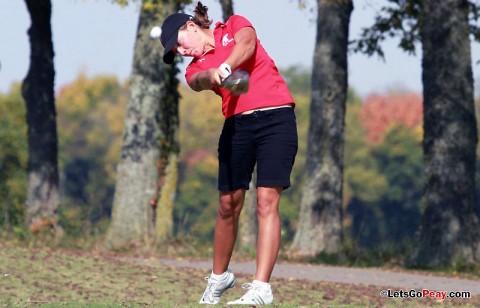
x=267 y=138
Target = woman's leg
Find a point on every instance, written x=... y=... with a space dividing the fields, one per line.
x=226 y=228
x=268 y=242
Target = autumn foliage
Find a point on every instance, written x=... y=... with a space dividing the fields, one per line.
x=380 y=112
x=383 y=162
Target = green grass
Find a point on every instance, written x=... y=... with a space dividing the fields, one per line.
x=43 y=277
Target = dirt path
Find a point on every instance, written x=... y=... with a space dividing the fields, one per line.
x=401 y=280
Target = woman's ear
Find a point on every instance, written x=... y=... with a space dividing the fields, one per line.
x=191 y=26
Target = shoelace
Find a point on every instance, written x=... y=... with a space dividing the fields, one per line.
x=250 y=287
x=209 y=292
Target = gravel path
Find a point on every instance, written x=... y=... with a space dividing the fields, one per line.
x=401 y=280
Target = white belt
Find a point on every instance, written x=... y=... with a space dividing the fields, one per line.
x=266 y=108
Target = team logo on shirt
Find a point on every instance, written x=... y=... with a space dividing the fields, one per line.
x=226 y=40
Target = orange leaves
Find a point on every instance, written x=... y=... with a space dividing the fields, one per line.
x=379 y=113
x=44 y=224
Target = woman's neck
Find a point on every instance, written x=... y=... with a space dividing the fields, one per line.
x=209 y=40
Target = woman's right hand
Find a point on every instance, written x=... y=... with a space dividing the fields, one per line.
x=216 y=77
x=206 y=80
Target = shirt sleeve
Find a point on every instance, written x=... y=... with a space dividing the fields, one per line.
x=189 y=71
x=237 y=22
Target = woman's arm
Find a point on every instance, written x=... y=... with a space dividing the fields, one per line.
x=245 y=45
x=205 y=80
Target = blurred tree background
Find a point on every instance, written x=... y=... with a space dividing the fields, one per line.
x=383 y=162
x=13 y=159
x=90 y=117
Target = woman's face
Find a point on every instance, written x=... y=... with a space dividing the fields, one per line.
x=189 y=43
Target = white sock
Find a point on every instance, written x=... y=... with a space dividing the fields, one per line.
x=218 y=277
x=264 y=285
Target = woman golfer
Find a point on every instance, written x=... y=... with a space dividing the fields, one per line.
x=259 y=129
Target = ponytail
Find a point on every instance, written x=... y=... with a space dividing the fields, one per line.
x=201 y=16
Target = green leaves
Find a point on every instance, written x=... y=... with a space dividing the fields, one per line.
x=13 y=157
x=383 y=169
x=398 y=19
x=91 y=114
x=401 y=19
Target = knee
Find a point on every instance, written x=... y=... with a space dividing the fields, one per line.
x=226 y=210
x=267 y=206
x=230 y=206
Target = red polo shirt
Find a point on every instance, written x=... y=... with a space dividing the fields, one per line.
x=266 y=88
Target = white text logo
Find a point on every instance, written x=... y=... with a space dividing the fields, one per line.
x=226 y=40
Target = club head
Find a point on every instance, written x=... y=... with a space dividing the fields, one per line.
x=237 y=82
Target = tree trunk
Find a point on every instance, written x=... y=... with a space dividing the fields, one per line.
x=449 y=230
x=150 y=126
x=227 y=9
x=168 y=192
x=38 y=92
x=320 y=220
x=248 y=225
x=248 y=219
x=167 y=167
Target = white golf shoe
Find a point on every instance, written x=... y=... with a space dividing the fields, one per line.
x=215 y=288
x=256 y=295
